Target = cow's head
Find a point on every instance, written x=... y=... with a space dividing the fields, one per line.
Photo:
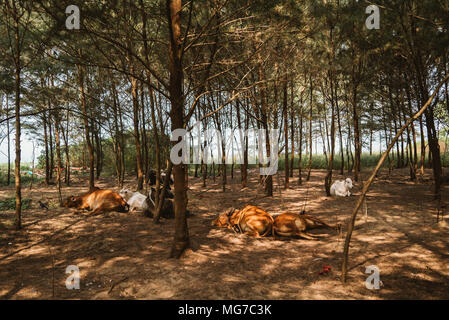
x=72 y=202
x=126 y=193
x=348 y=183
x=223 y=219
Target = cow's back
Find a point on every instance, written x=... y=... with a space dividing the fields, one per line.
x=107 y=199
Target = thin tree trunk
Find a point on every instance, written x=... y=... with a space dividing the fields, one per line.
x=47 y=163
x=301 y=120
x=328 y=179
x=285 y=112
x=356 y=133
x=58 y=155
x=50 y=137
x=310 y=130
x=86 y=126
x=244 y=165
x=135 y=102
x=18 y=70
x=292 y=129
x=65 y=135
x=8 y=180
x=339 y=131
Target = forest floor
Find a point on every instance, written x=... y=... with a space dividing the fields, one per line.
x=125 y=255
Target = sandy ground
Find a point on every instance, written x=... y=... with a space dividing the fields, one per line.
x=125 y=255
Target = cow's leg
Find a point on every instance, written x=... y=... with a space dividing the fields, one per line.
x=306 y=236
x=252 y=231
x=97 y=211
x=340 y=194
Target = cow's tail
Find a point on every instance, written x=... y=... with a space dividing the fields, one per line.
x=322 y=222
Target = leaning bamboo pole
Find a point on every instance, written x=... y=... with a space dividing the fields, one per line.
x=368 y=183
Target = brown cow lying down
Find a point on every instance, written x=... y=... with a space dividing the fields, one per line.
x=292 y=224
x=250 y=220
x=97 y=200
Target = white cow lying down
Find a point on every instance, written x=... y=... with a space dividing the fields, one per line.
x=136 y=200
x=341 y=188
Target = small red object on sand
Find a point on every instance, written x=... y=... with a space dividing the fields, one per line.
x=326 y=269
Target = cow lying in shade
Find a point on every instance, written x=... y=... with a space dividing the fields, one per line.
x=341 y=188
x=292 y=224
x=97 y=201
x=138 y=201
x=250 y=220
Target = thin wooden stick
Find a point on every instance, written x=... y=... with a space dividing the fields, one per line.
x=368 y=183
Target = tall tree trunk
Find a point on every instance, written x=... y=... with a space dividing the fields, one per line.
x=292 y=129
x=8 y=180
x=244 y=165
x=328 y=179
x=356 y=133
x=342 y=166
x=285 y=113
x=310 y=129
x=415 y=150
x=301 y=119
x=117 y=133
x=65 y=135
x=158 y=147
x=47 y=163
x=18 y=70
x=268 y=185
x=146 y=162
x=50 y=137
x=98 y=150
x=181 y=238
x=432 y=135
x=86 y=126
x=58 y=155
x=135 y=102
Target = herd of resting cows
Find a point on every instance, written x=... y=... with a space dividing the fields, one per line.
x=250 y=220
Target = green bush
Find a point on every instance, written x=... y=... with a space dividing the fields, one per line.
x=10 y=204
